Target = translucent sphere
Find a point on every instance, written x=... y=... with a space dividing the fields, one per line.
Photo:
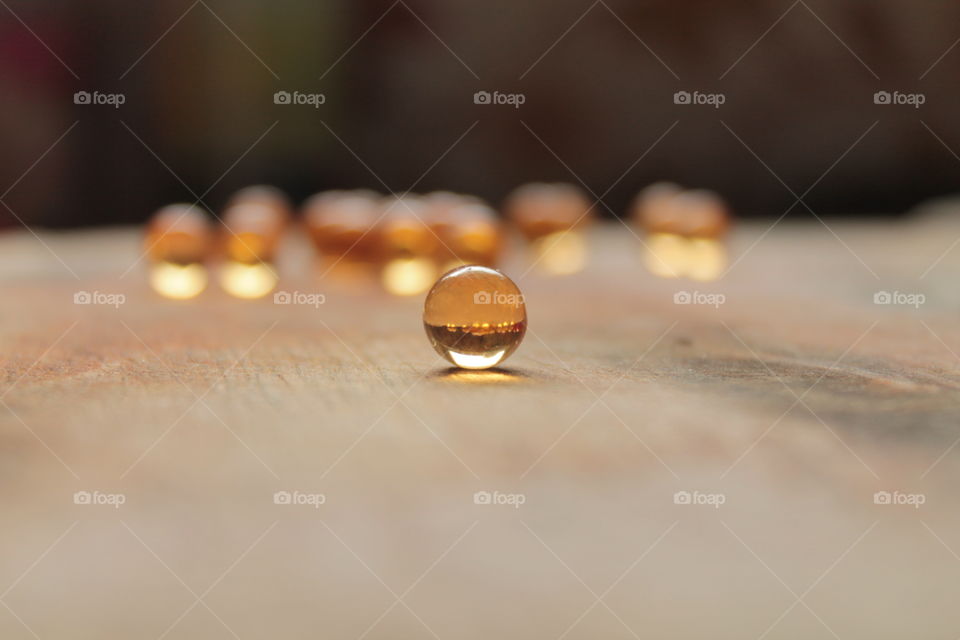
x=178 y=242
x=475 y=317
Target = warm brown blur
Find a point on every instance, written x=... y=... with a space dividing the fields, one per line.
x=179 y=234
x=252 y=232
x=539 y=210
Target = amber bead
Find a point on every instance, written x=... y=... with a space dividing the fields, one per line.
x=476 y=238
x=263 y=195
x=178 y=242
x=342 y=225
x=179 y=233
x=692 y=214
x=470 y=233
x=475 y=317
x=540 y=209
x=252 y=232
x=403 y=229
x=408 y=248
x=651 y=203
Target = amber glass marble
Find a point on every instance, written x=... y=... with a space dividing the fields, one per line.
x=472 y=234
x=441 y=208
x=252 y=232
x=691 y=214
x=475 y=317
x=540 y=209
x=407 y=247
x=685 y=231
x=342 y=224
x=179 y=233
x=403 y=228
x=251 y=236
x=443 y=212
x=476 y=241
x=651 y=203
x=178 y=242
x=264 y=195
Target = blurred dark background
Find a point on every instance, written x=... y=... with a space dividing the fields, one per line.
x=199 y=118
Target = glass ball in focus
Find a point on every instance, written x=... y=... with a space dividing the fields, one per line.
x=475 y=317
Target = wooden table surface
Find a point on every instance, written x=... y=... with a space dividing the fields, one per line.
x=792 y=404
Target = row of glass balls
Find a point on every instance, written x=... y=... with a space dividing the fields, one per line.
x=411 y=239
x=474 y=316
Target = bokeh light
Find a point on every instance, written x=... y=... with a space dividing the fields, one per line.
x=409 y=276
x=561 y=253
x=178 y=281
x=248 y=281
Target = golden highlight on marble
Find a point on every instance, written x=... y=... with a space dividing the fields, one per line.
x=475 y=317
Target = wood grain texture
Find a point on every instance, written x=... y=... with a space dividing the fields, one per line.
x=796 y=400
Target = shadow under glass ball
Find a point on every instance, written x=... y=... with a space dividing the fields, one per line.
x=475 y=317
